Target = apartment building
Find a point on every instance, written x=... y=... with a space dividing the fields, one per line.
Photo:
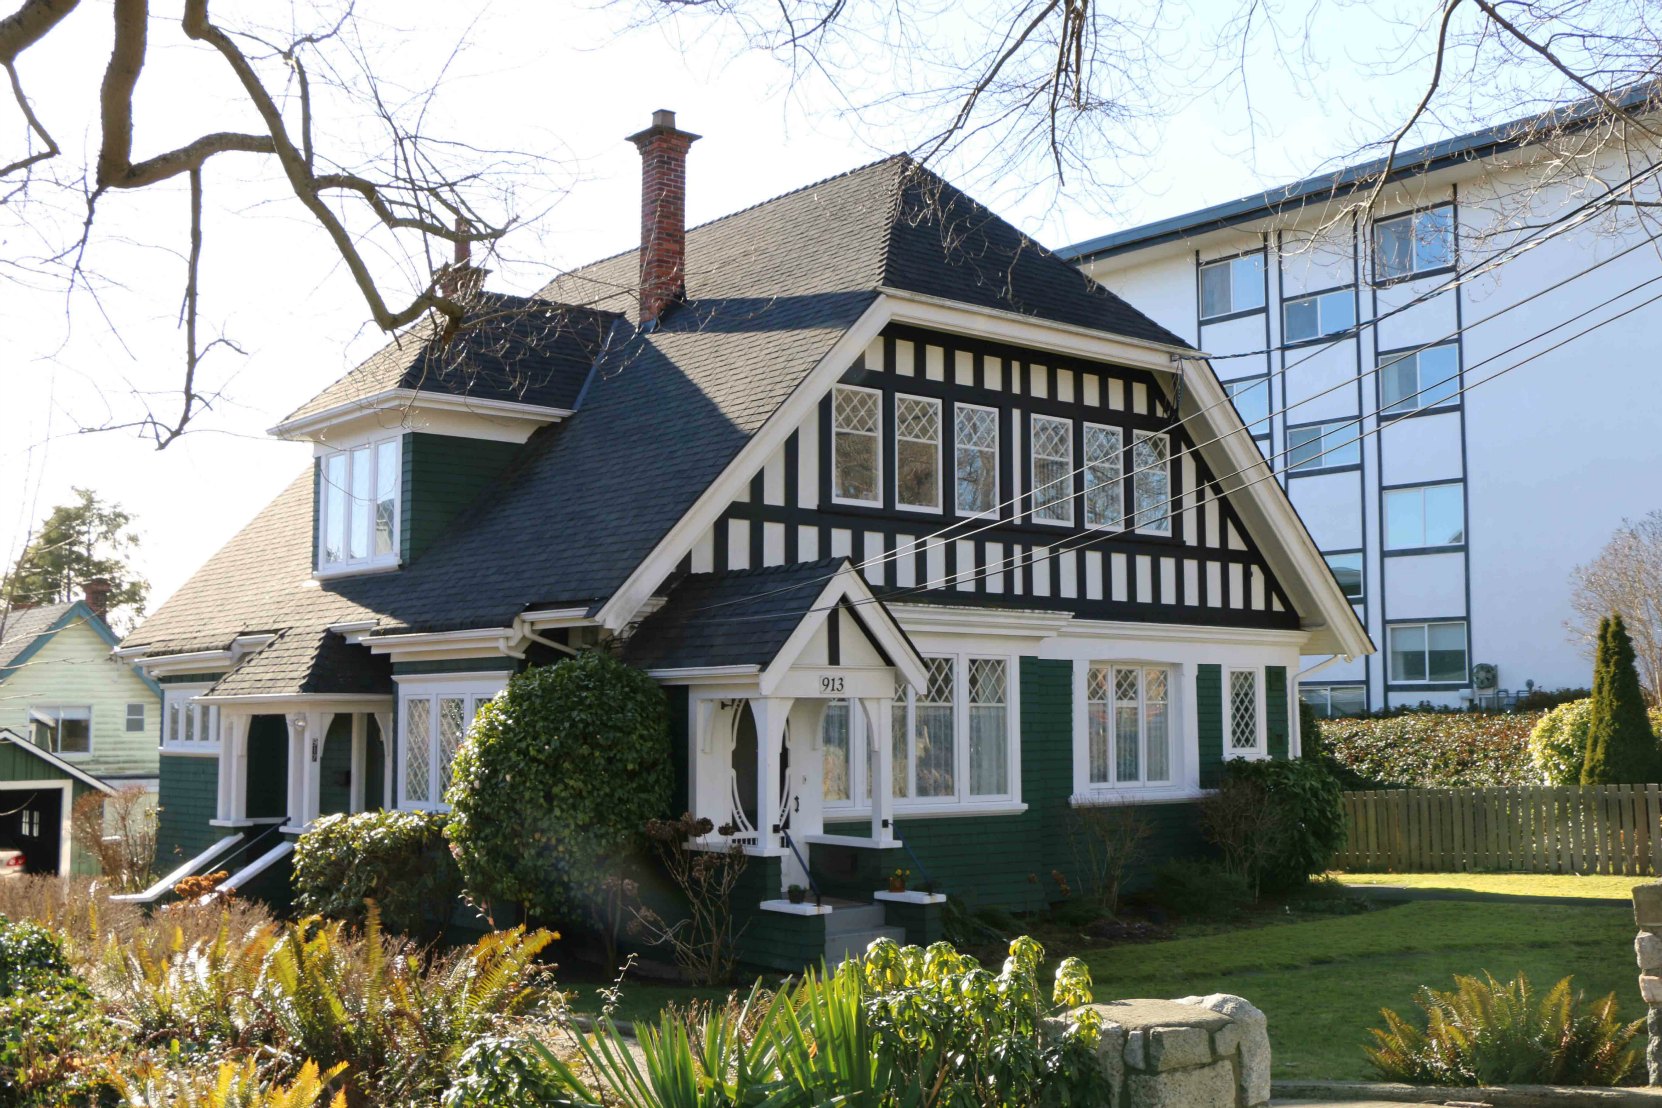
x=1454 y=376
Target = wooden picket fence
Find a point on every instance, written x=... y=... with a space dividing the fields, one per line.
x=1614 y=829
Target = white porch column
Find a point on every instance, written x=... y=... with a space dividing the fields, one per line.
x=360 y=760
x=233 y=766
x=880 y=732
x=389 y=798
x=307 y=731
x=771 y=713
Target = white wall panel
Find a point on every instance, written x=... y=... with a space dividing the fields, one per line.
x=1321 y=383
x=1427 y=585
x=1420 y=449
x=1331 y=508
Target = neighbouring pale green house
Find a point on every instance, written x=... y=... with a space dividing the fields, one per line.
x=76 y=717
x=931 y=542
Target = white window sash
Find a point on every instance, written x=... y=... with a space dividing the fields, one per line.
x=876 y=435
x=1051 y=498
x=1259 y=747
x=340 y=492
x=188 y=726
x=934 y=505
x=472 y=692
x=993 y=450
x=1110 y=704
x=1145 y=477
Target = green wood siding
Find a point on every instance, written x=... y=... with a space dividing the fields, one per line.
x=443 y=475
x=189 y=798
x=1275 y=704
x=773 y=940
x=20 y=765
x=1209 y=715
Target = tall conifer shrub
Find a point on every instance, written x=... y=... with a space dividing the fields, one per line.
x=1621 y=748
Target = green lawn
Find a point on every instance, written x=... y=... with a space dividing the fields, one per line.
x=1323 y=982
x=1567 y=885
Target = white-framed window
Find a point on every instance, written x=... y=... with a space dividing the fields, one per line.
x=917 y=453
x=1151 y=482
x=1104 y=476
x=1246 y=715
x=357 y=506
x=189 y=726
x=1232 y=285
x=954 y=740
x=433 y=720
x=1423 y=653
x=29 y=828
x=1425 y=517
x=1347 y=571
x=856 y=446
x=1324 y=445
x=1128 y=724
x=1252 y=403
x=1419 y=379
x=62 y=729
x=135 y=716
x=1418 y=242
x=1335 y=701
x=1315 y=317
x=1052 y=448
x=975 y=469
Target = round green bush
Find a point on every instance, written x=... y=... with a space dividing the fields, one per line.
x=400 y=860
x=555 y=783
x=28 y=953
x=1310 y=827
x=1558 y=743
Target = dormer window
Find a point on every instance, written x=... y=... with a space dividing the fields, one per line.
x=357 y=507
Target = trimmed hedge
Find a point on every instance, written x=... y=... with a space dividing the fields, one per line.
x=1433 y=749
x=400 y=860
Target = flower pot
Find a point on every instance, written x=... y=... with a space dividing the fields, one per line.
x=897 y=884
x=797 y=896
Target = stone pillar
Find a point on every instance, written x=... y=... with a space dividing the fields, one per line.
x=1647 y=947
x=1198 y=1052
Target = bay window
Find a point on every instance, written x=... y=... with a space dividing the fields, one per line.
x=357 y=507
x=189 y=726
x=1128 y=724
x=433 y=722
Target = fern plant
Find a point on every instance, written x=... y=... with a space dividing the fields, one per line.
x=1484 y=1032
x=232 y=1086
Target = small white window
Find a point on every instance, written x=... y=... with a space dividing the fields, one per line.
x=357 y=507
x=29 y=828
x=62 y=730
x=1428 y=652
x=1128 y=722
x=1419 y=242
x=975 y=469
x=856 y=453
x=135 y=716
x=1052 y=441
x=1335 y=701
x=1246 y=722
x=917 y=452
x=434 y=722
x=1324 y=446
x=1232 y=285
x=1252 y=403
x=1425 y=517
x=1151 y=482
x=188 y=724
x=1104 y=477
x=1421 y=379
x=1316 y=317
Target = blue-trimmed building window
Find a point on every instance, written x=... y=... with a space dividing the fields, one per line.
x=1232 y=285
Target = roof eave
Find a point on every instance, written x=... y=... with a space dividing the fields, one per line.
x=301 y=429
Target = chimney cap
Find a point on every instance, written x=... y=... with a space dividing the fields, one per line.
x=663 y=123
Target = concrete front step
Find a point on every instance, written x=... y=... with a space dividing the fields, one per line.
x=842 y=946
x=848 y=919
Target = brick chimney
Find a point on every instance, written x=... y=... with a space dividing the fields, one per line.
x=663 y=213
x=461 y=279
x=97 y=594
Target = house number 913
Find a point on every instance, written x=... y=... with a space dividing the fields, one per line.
x=831 y=684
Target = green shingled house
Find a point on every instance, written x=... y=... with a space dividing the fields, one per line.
x=929 y=539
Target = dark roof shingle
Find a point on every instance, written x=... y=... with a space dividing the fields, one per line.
x=737 y=618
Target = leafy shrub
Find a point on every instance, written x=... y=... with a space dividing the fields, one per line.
x=1201 y=890
x=557 y=778
x=1433 y=749
x=28 y=953
x=1621 y=746
x=1486 y=1033
x=400 y=860
x=1277 y=821
x=900 y=1026
x=1558 y=743
x=50 y=1030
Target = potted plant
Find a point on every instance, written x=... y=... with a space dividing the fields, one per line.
x=797 y=894
x=897 y=880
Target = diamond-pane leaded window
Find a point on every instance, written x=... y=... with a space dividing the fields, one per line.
x=1052 y=469
x=435 y=727
x=1127 y=721
x=977 y=459
x=855 y=465
x=1243 y=709
x=452 y=729
x=1104 y=495
x=932 y=731
x=917 y=425
x=418 y=751
x=1151 y=464
x=989 y=732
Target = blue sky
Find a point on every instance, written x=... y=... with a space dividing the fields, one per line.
x=565 y=82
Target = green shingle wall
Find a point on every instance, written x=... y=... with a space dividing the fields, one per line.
x=188 y=797
x=443 y=475
x=1275 y=703
x=773 y=940
x=1209 y=715
x=921 y=922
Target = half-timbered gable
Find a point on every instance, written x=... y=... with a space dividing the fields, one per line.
x=961 y=471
